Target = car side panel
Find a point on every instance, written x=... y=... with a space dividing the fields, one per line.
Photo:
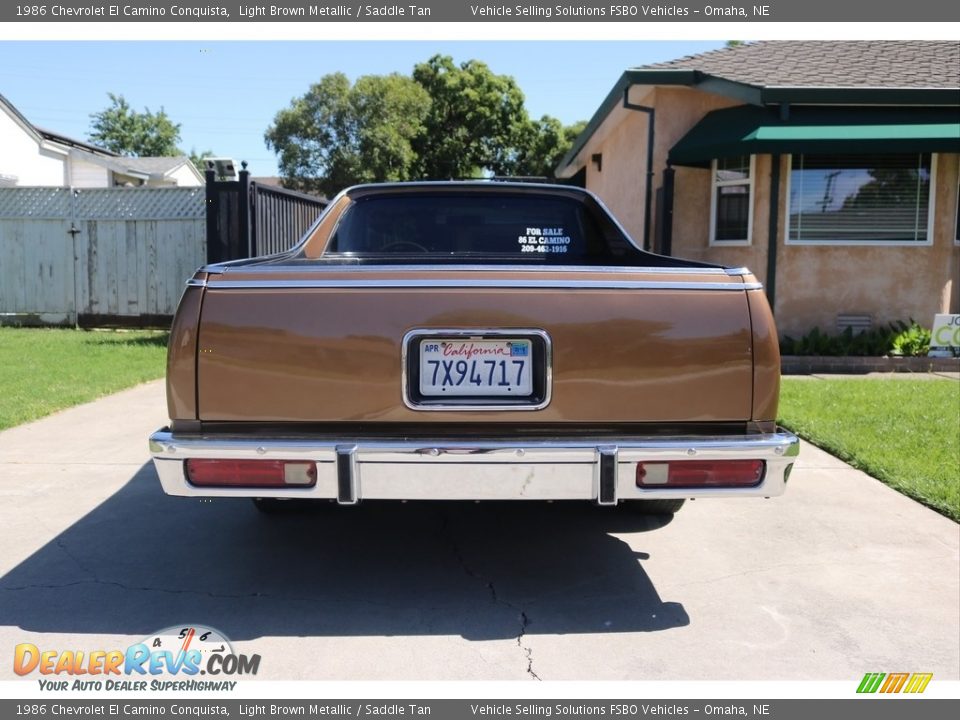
x=766 y=358
x=182 y=354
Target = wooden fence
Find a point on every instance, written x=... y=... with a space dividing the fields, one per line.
x=99 y=256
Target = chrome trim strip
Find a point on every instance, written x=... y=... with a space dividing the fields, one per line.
x=194 y=282
x=164 y=444
x=530 y=468
x=441 y=283
x=321 y=266
x=476 y=333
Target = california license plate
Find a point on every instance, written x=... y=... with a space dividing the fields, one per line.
x=456 y=367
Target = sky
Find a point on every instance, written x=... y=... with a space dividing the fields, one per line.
x=225 y=94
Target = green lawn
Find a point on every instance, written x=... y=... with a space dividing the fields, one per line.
x=903 y=432
x=43 y=370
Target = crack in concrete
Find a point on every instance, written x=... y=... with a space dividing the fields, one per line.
x=494 y=597
x=76 y=561
x=527 y=650
x=123 y=586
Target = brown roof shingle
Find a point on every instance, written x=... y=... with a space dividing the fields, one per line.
x=831 y=63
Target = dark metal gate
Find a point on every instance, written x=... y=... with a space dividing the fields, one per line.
x=248 y=219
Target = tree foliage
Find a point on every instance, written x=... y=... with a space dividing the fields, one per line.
x=338 y=134
x=547 y=140
x=476 y=119
x=897 y=187
x=198 y=159
x=444 y=121
x=123 y=130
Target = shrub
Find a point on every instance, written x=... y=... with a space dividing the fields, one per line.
x=911 y=341
x=897 y=338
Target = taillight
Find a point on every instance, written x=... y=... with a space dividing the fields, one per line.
x=700 y=473
x=251 y=473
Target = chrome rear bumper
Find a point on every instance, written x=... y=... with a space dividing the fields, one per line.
x=602 y=470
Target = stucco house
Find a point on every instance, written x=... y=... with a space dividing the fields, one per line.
x=36 y=157
x=828 y=168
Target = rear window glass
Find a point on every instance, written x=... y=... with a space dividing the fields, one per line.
x=515 y=227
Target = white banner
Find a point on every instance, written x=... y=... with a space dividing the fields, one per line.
x=946 y=331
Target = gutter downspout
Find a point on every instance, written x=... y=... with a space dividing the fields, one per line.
x=648 y=194
x=666 y=238
x=771 y=283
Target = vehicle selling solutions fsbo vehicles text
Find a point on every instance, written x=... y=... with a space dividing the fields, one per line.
x=615 y=11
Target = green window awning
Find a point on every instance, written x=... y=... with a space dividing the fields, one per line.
x=748 y=129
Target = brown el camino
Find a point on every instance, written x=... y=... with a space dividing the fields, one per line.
x=472 y=341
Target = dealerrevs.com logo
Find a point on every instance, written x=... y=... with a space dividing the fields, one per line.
x=170 y=659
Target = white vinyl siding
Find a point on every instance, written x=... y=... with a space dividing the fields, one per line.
x=23 y=161
x=88 y=175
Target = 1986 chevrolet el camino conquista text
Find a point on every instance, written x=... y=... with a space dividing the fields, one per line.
x=472 y=341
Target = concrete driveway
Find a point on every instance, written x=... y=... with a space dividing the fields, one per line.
x=839 y=577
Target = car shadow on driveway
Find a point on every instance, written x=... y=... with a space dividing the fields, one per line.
x=141 y=561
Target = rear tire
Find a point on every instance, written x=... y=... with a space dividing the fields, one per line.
x=653 y=507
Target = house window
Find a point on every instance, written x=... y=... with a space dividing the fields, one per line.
x=861 y=199
x=731 y=215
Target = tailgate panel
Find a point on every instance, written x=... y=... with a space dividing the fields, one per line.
x=334 y=354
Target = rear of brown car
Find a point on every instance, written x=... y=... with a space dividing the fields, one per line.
x=338 y=373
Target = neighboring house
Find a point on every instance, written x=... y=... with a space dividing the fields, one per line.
x=830 y=169
x=35 y=157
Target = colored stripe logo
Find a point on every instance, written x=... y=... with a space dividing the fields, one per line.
x=894 y=682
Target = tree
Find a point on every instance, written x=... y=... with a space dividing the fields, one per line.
x=889 y=186
x=476 y=120
x=545 y=142
x=123 y=130
x=338 y=135
x=197 y=158
x=446 y=121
